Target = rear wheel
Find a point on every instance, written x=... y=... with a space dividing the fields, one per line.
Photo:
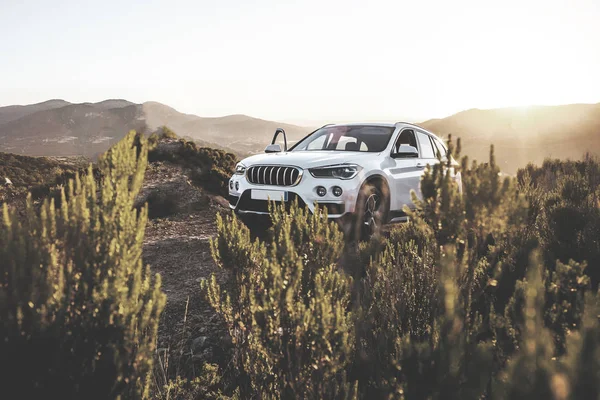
x=372 y=209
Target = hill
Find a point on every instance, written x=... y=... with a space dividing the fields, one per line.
x=523 y=135
x=241 y=133
x=11 y=113
x=59 y=128
x=520 y=135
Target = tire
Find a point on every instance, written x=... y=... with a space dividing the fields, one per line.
x=372 y=209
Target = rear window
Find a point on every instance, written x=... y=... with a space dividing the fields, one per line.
x=426 y=146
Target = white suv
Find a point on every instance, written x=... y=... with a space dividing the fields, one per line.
x=363 y=170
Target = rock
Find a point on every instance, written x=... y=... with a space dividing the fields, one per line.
x=220 y=200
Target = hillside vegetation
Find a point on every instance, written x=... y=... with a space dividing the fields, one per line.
x=491 y=294
x=20 y=175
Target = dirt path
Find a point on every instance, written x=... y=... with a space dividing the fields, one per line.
x=178 y=247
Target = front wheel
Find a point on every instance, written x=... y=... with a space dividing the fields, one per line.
x=371 y=212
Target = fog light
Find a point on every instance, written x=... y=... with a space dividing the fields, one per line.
x=337 y=191
x=231 y=185
x=237 y=185
x=321 y=191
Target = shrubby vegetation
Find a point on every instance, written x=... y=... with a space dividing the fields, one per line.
x=36 y=175
x=486 y=294
x=287 y=309
x=78 y=310
x=210 y=168
x=32 y=171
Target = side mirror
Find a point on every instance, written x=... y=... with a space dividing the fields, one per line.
x=273 y=148
x=277 y=132
x=405 y=151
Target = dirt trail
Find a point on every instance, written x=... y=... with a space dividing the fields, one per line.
x=178 y=248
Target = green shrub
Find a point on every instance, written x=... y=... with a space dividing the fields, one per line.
x=288 y=309
x=78 y=310
x=26 y=171
x=482 y=294
x=451 y=363
x=533 y=372
x=205 y=386
x=564 y=305
x=582 y=362
x=396 y=301
x=167 y=133
x=565 y=215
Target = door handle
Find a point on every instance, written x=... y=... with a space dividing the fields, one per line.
x=420 y=165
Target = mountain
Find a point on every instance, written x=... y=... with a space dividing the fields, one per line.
x=523 y=135
x=520 y=135
x=12 y=113
x=240 y=132
x=72 y=129
x=60 y=128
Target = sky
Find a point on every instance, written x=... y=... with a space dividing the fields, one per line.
x=302 y=61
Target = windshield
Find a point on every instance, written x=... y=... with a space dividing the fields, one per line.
x=367 y=138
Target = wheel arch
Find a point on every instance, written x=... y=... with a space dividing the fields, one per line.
x=380 y=180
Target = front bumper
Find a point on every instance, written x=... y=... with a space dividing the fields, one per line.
x=304 y=192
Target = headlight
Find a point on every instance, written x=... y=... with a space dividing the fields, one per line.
x=240 y=169
x=345 y=171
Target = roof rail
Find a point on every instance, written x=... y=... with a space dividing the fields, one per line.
x=406 y=123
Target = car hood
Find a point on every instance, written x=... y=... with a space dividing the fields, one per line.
x=309 y=159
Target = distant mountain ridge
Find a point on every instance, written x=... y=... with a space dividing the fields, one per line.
x=59 y=128
x=520 y=135
x=524 y=134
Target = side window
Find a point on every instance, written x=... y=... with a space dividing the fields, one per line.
x=426 y=146
x=440 y=147
x=406 y=137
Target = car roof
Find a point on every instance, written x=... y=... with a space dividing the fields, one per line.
x=386 y=124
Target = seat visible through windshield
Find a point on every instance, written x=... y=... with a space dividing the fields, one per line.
x=364 y=138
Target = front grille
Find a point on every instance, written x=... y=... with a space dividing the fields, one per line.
x=276 y=175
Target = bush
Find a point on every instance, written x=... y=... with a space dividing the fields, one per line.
x=396 y=301
x=533 y=372
x=211 y=168
x=287 y=311
x=565 y=214
x=482 y=294
x=78 y=310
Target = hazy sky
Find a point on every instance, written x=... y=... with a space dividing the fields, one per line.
x=303 y=60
